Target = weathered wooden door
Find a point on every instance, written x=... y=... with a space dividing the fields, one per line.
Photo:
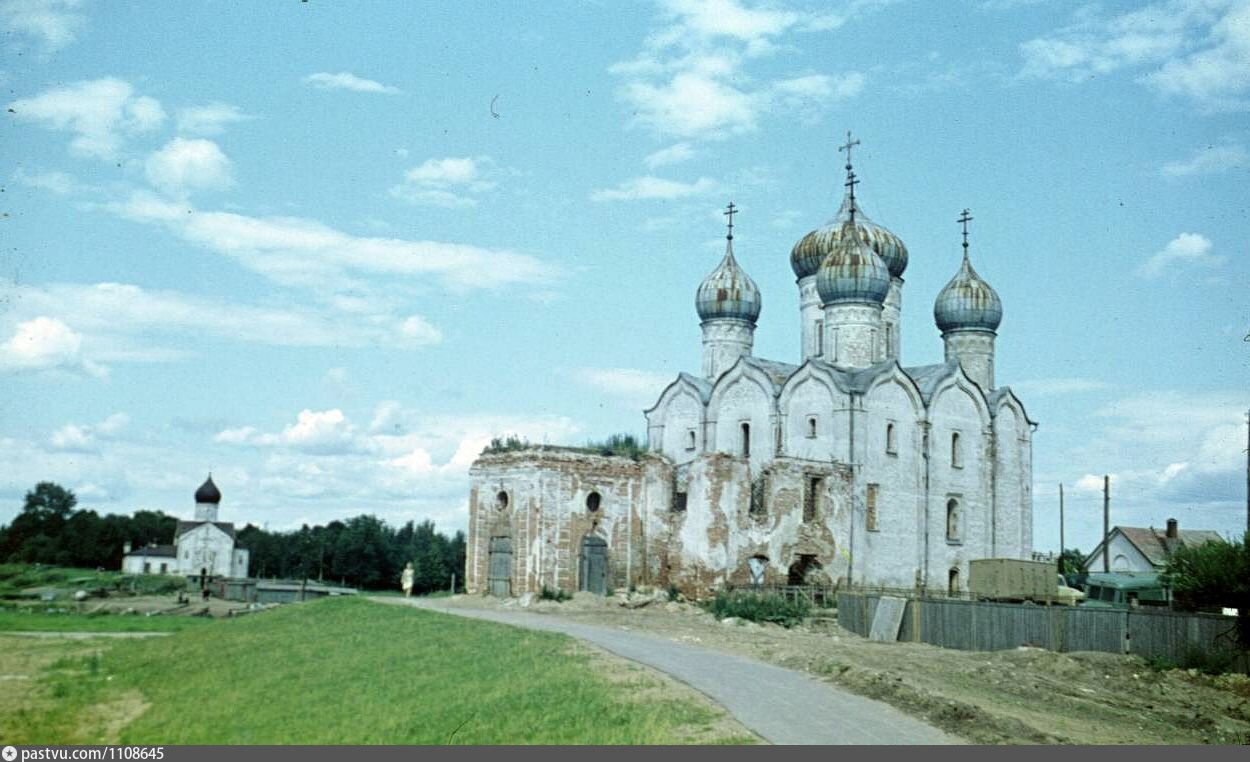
x=594 y=571
x=499 y=576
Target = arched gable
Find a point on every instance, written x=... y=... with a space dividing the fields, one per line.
x=958 y=382
x=743 y=395
x=897 y=376
x=683 y=384
x=809 y=372
x=1004 y=398
x=741 y=372
x=807 y=405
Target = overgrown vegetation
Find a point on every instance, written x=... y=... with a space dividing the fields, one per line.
x=1212 y=576
x=621 y=445
x=363 y=551
x=343 y=671
x=17 y=580
x=758 y=607
x=510 y=443
x=1208 y=662
x=559 y=595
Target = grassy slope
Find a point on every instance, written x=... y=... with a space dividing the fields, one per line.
x=344 y=671
x=30 y=620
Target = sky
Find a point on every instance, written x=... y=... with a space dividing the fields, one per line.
x=328 y=250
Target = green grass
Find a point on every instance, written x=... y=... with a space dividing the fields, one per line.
x=43 y=621
x=758 y=607
x=16 y=578
x=347 y=671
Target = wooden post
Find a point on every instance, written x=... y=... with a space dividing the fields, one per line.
x=453 y=583
x=1061 y=545
x=1106 y=522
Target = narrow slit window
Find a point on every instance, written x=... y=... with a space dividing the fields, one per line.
x=690 y=439
x=811 y=498
x=870 y=508
x=811 y=427
x=952 y=520
x=957 y=455
x=891 y=440
x=746 y=440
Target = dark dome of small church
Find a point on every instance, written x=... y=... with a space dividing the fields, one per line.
x=967 y=302
x=208 y=492
x=852 y=273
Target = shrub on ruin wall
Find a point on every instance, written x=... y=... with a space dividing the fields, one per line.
x=758 y=607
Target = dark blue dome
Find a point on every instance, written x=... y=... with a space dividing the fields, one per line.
x=208 y=492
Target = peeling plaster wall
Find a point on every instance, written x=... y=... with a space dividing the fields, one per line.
x=672 y=421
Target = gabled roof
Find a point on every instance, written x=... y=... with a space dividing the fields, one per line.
x=927 y=377
x=186 y=526
x=1155 y=545
x=154 y=551
x=777 y=372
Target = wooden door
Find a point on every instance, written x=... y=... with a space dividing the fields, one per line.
x=594 y=565
x=499 y=576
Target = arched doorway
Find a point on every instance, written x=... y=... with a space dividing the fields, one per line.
x=499 y=570
x=952 y=581
x=593 y=572
x=804 y=571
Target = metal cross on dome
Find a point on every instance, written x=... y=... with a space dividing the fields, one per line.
x=964 y=218
x=847 y=146
x=729 y=212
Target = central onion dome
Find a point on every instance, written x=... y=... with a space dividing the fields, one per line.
x=967 y=302
x=853 y=272
x=812 y=249
x=208 y=492
x=728 y=292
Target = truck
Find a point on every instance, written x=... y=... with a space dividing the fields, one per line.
x=1016 y=580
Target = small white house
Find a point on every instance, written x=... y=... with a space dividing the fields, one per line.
x=1144 y=549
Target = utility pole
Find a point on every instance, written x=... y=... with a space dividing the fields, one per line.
x=1248 y=471
x=1062 y=547
x=1106 y=522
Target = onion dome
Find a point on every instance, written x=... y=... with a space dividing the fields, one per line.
x=812 y=249
x=853 y=272
x=967 y=302
x=208 y=492
x=728 y=292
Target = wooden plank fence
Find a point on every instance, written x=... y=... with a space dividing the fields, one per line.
x=988 y=626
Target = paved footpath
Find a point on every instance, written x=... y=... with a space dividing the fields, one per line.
x=781 y=705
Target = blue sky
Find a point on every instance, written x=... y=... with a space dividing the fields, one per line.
x=327 y=252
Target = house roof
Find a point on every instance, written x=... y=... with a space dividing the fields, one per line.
x=186 y=526
x=154 y=551
x=1154 y=543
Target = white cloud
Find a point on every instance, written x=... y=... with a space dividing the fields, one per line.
x=209 y=119
x=689 y=79
x=184 y=165
x=125 y=323
x=1185 y=250
x=1199 y=50
x=624 y=382
x=1209 y=161
x=650 y=187
x=99 y=112
x=85 y=437
x=54 y=22
x=439 y=182
x=45 y=343
x=59 y=183
x=674 y=154
x=347 y=81
x=302 y=252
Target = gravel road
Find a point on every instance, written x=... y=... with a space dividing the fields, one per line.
x=780 y=705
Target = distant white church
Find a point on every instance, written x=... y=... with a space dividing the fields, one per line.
x=845 y=466
x=204 y=546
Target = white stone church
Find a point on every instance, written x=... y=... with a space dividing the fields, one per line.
x=844 y=466
x=203 y=546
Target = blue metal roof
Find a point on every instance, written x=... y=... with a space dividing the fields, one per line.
x=967 y=302
x=812 y=249
x=852 y=273
x=728 y=292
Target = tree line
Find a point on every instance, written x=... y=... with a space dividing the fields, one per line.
x=363 y=551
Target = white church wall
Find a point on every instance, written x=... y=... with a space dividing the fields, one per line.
x=808 y=396
x=890 y=553
x=957 y=407
x=1011 y=507
x=739 y=399
x=681 y=418
x=205 y=546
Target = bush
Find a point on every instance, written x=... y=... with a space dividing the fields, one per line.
x=673 y=593
x=558 y=595
x=757 y=607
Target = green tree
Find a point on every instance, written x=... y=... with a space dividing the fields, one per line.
x=1213 y=575
x=1071 y=561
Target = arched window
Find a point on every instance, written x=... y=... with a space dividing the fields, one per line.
x=746 y=440
x=811 y=427
x=891 y=441
x=690 y=439
x=501 y=500
x=756 y=566
x=957 y=456
x=592 y=502
x=952 y=581
x=952 y=520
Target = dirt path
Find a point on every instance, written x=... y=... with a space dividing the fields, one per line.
x=84 y=635
x=781 y=705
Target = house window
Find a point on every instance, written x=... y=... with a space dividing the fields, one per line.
x=592 y=502
x=164 y=568
x=746 y=440
x=811 y=427
x=870 y=507
x=810 y=497
x=952 y=520
x=679 y=502
x=957 y=456
x=147 y=568
x=891 y=440
x=690 y=439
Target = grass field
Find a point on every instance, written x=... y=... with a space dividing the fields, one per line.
x=343 y=671
x=32 y=620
